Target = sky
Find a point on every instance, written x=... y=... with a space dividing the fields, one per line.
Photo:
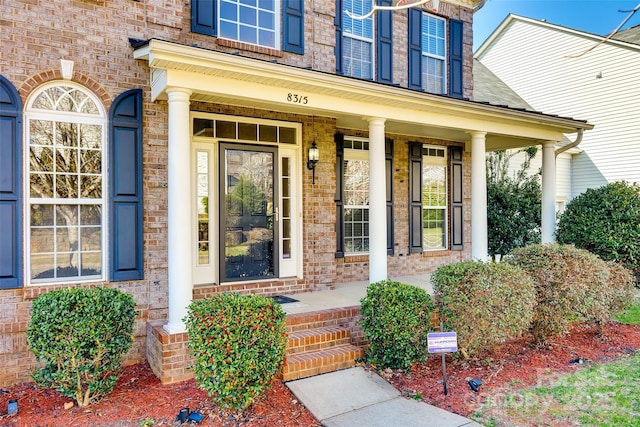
x=593 y=16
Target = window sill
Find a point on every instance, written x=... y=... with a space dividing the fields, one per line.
x=436 y=252
x=33 y=291
x=249 y=47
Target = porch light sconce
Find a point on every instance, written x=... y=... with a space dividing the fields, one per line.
x=314 y=155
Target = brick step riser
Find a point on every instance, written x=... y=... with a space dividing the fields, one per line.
x=320 y=344
x=324 y=318
x=321 y=361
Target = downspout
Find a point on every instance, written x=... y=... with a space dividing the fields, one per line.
x=572 y=144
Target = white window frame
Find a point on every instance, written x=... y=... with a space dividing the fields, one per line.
x=363 y=155
x=436 y=161
x=371 y=41
x=100 y=119
x=276 y=16
x=287 y=267
x=426 y=54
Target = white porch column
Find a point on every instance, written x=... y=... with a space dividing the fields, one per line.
x=548 y=191
x=377 y=202
x=179 y=210
x=479 y=239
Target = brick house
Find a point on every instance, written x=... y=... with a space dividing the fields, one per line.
x=162 y=148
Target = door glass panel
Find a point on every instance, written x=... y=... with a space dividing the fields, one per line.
x=286 y=208
x=202 y=198
x=248 y=219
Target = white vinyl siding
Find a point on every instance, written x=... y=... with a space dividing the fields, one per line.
x=570 y=87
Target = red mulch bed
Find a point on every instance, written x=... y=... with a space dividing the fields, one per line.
x=513 y=365
x=140 y=396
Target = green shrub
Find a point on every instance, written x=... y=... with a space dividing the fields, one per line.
x=79 y=335
x=619 y=292
x=395 y=320
x=484 y=303
x=569 y=283
x=606 y=222
x=239 y=344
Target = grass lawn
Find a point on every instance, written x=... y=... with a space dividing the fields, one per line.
x=601 y=394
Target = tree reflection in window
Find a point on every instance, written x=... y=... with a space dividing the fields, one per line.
x=65 y=130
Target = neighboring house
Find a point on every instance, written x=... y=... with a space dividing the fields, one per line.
x=556 y=74
x=162 y=147
x=489 y=88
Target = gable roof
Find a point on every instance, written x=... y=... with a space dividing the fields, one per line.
x=630 y=35
x=629 y=38
x=487 y=87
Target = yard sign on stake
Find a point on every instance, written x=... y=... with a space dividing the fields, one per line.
x=442 y=342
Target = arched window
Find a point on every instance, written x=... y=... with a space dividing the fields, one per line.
x=65 y=184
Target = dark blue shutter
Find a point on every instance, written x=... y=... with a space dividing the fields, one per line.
x=457 y=241
x=385 y=43
x=415 y=197
x=125 y=196
x=337 y=21
x=456 y=29
x=10 y=186
x=203 y=17
x=339 y=198
x=388 y=150
x=415 y=49
x=293 y=26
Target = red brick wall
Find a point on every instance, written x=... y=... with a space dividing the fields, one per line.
x=36 y=34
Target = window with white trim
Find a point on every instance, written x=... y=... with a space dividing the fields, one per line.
x=356 y=195
x=255 y=22
x=434 y=55
x=434 y=198
x=66 y=184
x=358 y=35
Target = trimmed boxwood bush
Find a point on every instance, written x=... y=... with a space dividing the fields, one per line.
x=619 y=292
x=606 y=222
x=395 y=320
x=570 y=284
x=239 y=344
x=484 y=303
x=79 y=335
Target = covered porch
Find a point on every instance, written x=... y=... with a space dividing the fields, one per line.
x=196 y=82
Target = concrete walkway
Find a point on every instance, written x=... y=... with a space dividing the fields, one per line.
x=356 y=397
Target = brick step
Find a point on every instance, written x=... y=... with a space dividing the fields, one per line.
x=317 y=362
x=318 y=319
x=317 y=339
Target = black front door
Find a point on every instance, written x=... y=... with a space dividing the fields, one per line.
x=248 y=219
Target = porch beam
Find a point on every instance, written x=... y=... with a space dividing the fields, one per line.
x=377 y=202
x=180 y=249
x=479 y=238
x=548 y=192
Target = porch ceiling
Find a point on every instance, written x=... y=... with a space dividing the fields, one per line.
x=220 y=77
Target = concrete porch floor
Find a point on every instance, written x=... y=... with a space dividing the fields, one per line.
x=345 y=295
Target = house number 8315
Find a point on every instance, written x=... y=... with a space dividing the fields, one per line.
x=298 y=99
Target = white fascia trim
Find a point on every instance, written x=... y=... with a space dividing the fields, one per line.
x=170 y=57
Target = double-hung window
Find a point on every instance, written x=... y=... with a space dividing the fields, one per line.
x=357 y=42
x=250 y=21
x=436 y=50
x=434 y=198
x=272 y=24
x=66 y=197
x=356 y=195
x=434 y=71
